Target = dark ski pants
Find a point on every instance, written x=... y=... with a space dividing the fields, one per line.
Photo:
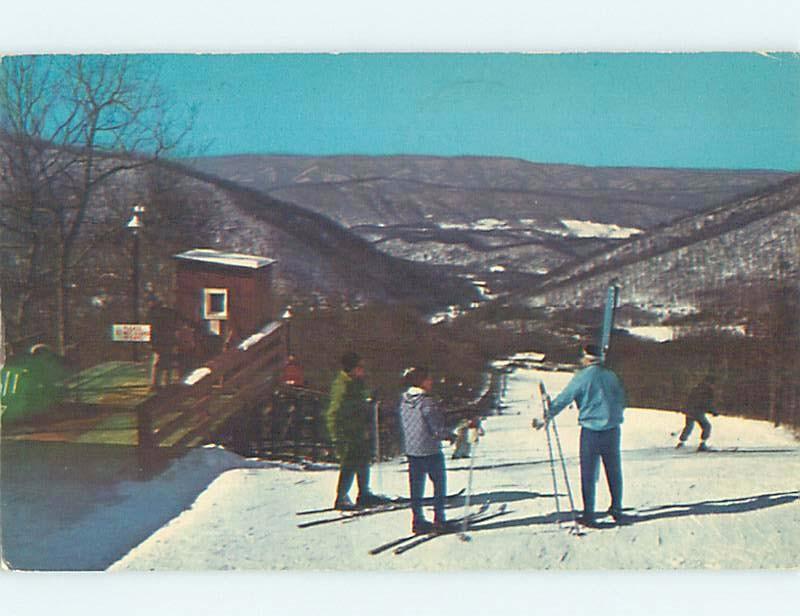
x=419 y=469
x=346 y=475
x=701 y=419
x=597 y=445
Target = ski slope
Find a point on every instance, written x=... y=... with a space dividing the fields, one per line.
x=735 y=508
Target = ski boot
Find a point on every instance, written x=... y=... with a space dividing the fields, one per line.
x=443 y=527
x=703 y=446
x=619 y=517
x=679 y=445
x=421 y=527
x=371 y=500
x=344 y=504
x=589 y=522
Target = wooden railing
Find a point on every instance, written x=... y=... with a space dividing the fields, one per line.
x=230 y=383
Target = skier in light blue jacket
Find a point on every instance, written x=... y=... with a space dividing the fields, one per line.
x=601 y=401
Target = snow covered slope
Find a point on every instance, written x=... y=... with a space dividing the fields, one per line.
x=736 y=508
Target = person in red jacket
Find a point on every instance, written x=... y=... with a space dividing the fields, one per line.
x=293 y=373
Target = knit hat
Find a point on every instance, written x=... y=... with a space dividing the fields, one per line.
x=350 y=360
x=592 y=350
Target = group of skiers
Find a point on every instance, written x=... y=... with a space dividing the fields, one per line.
x=595 y=389
x=423 y=426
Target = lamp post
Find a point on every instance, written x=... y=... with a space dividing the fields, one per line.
x=287 y=318
x=134 y=225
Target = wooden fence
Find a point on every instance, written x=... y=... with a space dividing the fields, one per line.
x=230 y=385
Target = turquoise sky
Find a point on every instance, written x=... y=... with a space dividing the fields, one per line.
x=717 y=110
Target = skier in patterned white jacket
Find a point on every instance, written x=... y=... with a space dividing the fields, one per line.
x=423 y=428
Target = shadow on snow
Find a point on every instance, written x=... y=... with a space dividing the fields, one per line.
x=725 y=506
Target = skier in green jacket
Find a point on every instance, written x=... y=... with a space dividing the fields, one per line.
x=348 y=421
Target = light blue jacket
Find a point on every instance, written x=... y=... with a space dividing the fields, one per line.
x=599 y=395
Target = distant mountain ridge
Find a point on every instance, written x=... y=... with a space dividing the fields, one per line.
x=753 y=238
x=508 y=220
x=432 y=223
x=404 y=189
x=317 y=256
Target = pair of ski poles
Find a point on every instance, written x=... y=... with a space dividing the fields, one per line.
x=550 y=424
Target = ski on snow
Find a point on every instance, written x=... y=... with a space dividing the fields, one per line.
x=399 y=499
x=471 y=519
x=395 y=542
x=393 y=505
x=403 y=544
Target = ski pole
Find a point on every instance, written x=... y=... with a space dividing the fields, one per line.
x=543 y=393
x=376 y=410
x=575 y=527
x=473 y=448
x=547 y=424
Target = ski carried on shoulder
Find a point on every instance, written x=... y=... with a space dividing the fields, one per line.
x=393 y=505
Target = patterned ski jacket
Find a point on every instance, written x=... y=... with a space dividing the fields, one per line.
x=422 y=423
x=600 y=397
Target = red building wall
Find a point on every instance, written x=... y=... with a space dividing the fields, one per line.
x=249 y=293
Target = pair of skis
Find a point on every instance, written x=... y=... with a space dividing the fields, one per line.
x=345 y=516
x=458 y=527
x=408 y=542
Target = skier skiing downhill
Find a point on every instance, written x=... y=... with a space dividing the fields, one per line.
x=423 y=428
x=701 y=400
x=601 y=402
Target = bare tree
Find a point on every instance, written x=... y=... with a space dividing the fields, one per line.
x=70 y=124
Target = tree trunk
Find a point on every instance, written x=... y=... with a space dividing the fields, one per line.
x=62 y=306
x=2 y=333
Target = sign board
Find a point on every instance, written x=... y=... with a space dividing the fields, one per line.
x=130 y=332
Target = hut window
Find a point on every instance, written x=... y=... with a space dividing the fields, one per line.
x=215 y=303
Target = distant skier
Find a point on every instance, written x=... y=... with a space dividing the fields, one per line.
x=700 y=401
x=463 y=446
x=423 y=428
x=348 y=420
x=601 y=402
